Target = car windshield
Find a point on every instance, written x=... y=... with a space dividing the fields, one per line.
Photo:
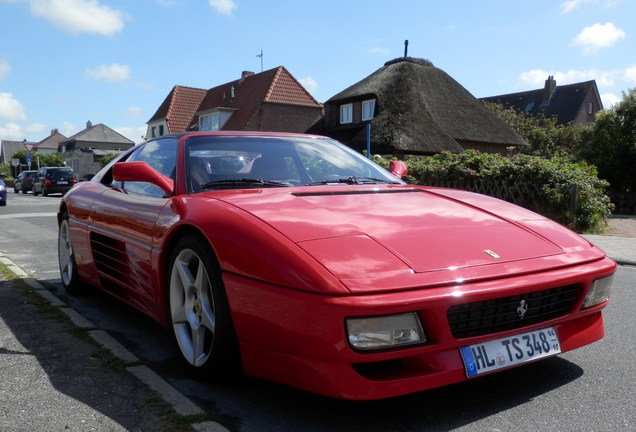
x=247 y=161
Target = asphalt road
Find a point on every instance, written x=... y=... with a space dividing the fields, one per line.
x=590 y=389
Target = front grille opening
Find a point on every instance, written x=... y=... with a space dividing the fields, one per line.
x=501 y=314
x=406 y=367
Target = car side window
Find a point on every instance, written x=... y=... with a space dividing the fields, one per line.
x=162 y=156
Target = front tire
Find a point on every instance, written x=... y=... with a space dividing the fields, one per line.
x=66 y=258
x=199 y=311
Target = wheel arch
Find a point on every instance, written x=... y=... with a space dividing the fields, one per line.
x=164 y=263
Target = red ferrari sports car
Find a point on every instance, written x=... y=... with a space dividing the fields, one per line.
x=293 y=258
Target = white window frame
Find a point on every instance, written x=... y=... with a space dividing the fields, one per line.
x=368 y=109
x=346 y=113
x=214 y=120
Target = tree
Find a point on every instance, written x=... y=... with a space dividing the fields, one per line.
x=610 y=144
x=54 y=159
x=545 y=136
x=105 y=160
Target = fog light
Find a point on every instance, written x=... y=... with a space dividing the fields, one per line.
x=383 y=332
x=599 y=291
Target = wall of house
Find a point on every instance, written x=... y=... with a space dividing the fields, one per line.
x=157 y=126
x=584 y=117
x=275 y=117
x=82 y=163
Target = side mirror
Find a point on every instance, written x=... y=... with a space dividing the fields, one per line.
x=142 y=172
x=398 y=169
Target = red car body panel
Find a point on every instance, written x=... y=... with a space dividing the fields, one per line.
x=297 y=262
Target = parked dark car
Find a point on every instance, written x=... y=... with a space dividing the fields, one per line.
x=3 y=191
x=24 y=181
x=54 y=180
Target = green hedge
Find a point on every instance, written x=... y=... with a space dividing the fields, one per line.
x=567 y=192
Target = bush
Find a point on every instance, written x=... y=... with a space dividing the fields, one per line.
x=567 y=192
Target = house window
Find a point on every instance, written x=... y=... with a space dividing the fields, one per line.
x=154 y=131
x=346 y=113
x=368 y=109
x=530 y=106
x=210 y=122
x=89 y=148
x=590 y=108
x=160 y=130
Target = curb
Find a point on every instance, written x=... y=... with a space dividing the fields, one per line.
x=181 y=404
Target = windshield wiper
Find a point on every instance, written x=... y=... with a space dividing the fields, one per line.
x=242 y=183
x=354 y=180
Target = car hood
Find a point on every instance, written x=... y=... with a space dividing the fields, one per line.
x=381 y=238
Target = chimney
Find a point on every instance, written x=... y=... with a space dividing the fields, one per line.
x=53 y=131
x=548 y=90
x=246 y=74
x=89 y=124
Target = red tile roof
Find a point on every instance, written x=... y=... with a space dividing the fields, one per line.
x=179 y=107
x=251 y=91
x=244 y=96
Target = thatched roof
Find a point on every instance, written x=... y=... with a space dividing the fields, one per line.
x=420 y=109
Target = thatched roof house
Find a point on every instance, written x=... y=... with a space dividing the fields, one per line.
x=413 y=108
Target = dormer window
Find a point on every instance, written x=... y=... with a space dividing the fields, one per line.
x=368 y=109
x=346 y=113
x=210 y=122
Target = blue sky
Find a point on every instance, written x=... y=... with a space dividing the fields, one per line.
x=65 y=62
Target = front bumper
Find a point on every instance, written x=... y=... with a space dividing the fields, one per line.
x=299 y=338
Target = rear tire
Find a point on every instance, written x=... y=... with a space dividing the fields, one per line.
x=199 y=311
x=66 y=258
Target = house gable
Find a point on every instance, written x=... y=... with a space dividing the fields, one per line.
x=176 y=111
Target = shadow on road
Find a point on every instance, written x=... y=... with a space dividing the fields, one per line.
x=257 y=405
x=53 y=380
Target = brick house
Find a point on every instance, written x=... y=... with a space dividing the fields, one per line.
x=272 y=100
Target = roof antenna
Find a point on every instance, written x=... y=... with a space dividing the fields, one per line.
x=261 y=56
x=406 y=47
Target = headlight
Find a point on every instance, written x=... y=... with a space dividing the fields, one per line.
x=599 y=291
x=383 y=332
x=2 y=187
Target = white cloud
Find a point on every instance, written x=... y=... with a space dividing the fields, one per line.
x=224 y=7
x=68 y=129
x=135 y=134
x=379 y=50
x=17 y=132
x=536 y=77
x=114 y=73
x=11 y=109
x=309 y=83
x=630 y=74
x=132 y=111
x=609 y=100
x=5 y=68
x=569 y=6
x=597 y=37
x=79 y=16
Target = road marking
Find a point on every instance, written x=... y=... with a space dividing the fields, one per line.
x=26 y=215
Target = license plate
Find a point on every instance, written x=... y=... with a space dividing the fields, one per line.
x=62 y=182
x=509 y=351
